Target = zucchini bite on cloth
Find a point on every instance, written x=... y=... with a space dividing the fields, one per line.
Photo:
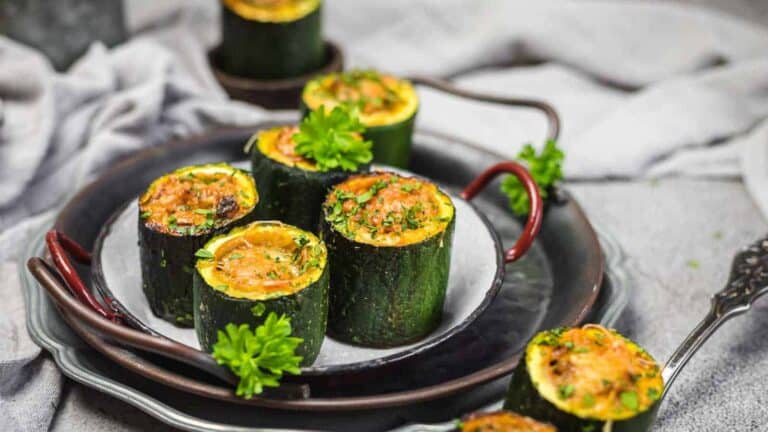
x=587 y=379
x=389 y=243
x=292 y=187
x=502 y=421
x=260 y=268
x=387 y=107
x=178 y=213
x=271 y=39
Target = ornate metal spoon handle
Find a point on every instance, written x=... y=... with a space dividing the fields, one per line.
x=747 y=282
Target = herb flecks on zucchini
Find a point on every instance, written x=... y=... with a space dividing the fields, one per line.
x=267 y=267
x=272 y=10
x=178 y=213
x=389 y=237
x=587 y=377
x=387 y=107
x=292 y=183
x=503 y=421
x=197 y=199
x=385 y=209
x=381 y=99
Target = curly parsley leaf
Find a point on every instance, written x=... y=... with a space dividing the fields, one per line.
x=333 y=140
x=260 y=357
x=545 y=168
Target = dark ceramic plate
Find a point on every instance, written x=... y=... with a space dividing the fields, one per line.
x=80 y=362
x=555 y=283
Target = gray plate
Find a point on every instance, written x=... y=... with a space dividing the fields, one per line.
x=81 y=363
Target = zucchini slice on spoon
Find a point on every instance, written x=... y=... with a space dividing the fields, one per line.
x=389 y=243
x=292 y=187
x=271 y=39
x=587 y=379
x=387 y=107
x=263 y=267
x=178 y=213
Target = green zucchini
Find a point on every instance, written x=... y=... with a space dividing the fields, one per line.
x=291 y=187
x=271 y=39
x=587 y=379
x=387 y=107
x=263 y=267
x=175 y=220
x=389 y=241
x=502 y=421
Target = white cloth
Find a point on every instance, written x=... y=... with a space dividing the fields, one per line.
x=644 y=89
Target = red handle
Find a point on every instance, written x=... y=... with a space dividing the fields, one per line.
x=58 y=246
x=535 y=209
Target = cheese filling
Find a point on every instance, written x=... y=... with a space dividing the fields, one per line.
x=262 y=260
x=194 y=200
x=503 y=421
x=381 y=99
x=385 y=209
x=593 y=373
x=272 y=10
x=278 y=144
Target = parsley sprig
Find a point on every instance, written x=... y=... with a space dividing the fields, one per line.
x=545 y=168
x=332 y=139
x=260 y=357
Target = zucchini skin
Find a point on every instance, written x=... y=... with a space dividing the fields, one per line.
x=270 y=50
x=290 y=194
x=391 y=143
x=167 y=265
x=523 y=398
x=386 y=296
x=307 y=309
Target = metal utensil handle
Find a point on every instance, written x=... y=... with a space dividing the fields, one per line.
x=535 y=204
x=747 y=282
x=553 y=120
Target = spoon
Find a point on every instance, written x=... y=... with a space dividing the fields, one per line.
x=747 y=282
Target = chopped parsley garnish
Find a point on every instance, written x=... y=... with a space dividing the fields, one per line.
x=629 y=399
x=204 y=254
x=565 y=391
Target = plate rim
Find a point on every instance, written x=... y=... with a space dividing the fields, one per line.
x=99 y=282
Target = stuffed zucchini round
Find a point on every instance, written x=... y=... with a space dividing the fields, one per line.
x=178 y=213
x=292 y=188
x=387 y=107
x=260 y=268
x=502 y=421
x=587 y=379
x=389 y=241
x=271 y=39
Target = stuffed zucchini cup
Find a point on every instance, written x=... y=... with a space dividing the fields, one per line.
x=270 y=39
x=260 y=268
x=389 y=241
x=587 y=379
x=292 y=187
x=178 y=213
x=387 y=107
x=502 y=421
